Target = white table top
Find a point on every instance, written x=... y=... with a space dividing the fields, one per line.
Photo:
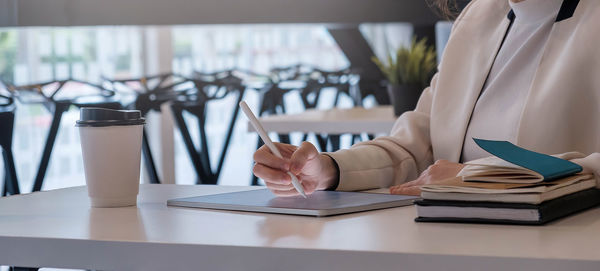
x=355 y=120
x=59 y=229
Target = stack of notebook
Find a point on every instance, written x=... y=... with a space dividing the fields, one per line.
x=515 y=186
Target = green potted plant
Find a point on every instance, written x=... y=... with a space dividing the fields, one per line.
x=408 y=72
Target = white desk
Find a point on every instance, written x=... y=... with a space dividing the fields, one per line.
x=356 y=120
x=59 y=229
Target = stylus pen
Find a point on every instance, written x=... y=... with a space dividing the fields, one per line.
x=265 y=138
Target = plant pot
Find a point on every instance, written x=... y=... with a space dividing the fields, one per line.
x=404 y=97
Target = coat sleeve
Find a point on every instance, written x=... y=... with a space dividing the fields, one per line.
x=393 y=159
x=590 y=164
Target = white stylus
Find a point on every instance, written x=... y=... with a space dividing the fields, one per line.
x=265 y=138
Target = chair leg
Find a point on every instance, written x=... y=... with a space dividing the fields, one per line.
x=335 y=142
x=148 y=160
x=7 y=120
x=187 y=140
x=204 y=154
x=322 y=142
x=11 y=183
x=225 y=147
x=4 y=186
x=254 y=179
x=59 y=109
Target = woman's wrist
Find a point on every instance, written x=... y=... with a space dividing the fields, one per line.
x=331 y=173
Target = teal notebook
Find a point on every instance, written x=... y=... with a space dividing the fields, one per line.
x=536 y=166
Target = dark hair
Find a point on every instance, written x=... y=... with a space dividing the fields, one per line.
x=448 y=9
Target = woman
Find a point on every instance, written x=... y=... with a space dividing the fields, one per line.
x=525 y=71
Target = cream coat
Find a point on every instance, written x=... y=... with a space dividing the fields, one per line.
x=561 y=113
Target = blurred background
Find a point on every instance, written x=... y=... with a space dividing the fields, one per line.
x=199 y=49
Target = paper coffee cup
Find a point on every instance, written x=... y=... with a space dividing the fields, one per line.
x=111 y=144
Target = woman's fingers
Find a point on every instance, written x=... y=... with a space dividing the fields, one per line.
x=273 y=170
x=440 y=171
x=271 y=175
x=409 y=188
x=309 y=187
x=264 y=156
x=279 y=187
x=409 y=184
x=288 y=193
x=289 y=189
x=286 y=150
x=412 y=190
x=305 y=153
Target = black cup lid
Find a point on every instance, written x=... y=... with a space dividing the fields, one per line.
x=99 y=117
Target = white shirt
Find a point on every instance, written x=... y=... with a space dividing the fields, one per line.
x=498 y=110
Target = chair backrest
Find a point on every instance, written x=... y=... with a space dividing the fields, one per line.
x=208 y=87
x=271 y=100
x=156 y=84
x=150 y=92
x=342 y=80
x=5 y=101
x=214 y=86
x=53 y=91
x=7 y=104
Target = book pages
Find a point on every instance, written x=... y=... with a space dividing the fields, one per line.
x=456 y=185
x=494 y=169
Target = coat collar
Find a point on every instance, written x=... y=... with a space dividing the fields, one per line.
x=454 y=111
x=567 y=9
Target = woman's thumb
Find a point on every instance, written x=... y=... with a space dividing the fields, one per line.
x=301 y=156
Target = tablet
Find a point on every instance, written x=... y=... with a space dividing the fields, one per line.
x=320 y=203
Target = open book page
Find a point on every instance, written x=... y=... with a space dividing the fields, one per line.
x=494 y=169
x=493 y=161
x=456 y=185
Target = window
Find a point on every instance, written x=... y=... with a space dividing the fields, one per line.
x=31 y=55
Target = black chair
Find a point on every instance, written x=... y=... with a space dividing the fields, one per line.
x=50 y=94
x=208 y=87
x=11 y=184
x=7 y=119
x=317 y=80
x=271 y=98
x=149 y=93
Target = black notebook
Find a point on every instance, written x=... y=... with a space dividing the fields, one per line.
x=506 y=213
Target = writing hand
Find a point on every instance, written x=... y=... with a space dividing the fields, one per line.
x=315 y=171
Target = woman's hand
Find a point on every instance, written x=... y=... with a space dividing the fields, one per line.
x=441 y=170
x=315 y=171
